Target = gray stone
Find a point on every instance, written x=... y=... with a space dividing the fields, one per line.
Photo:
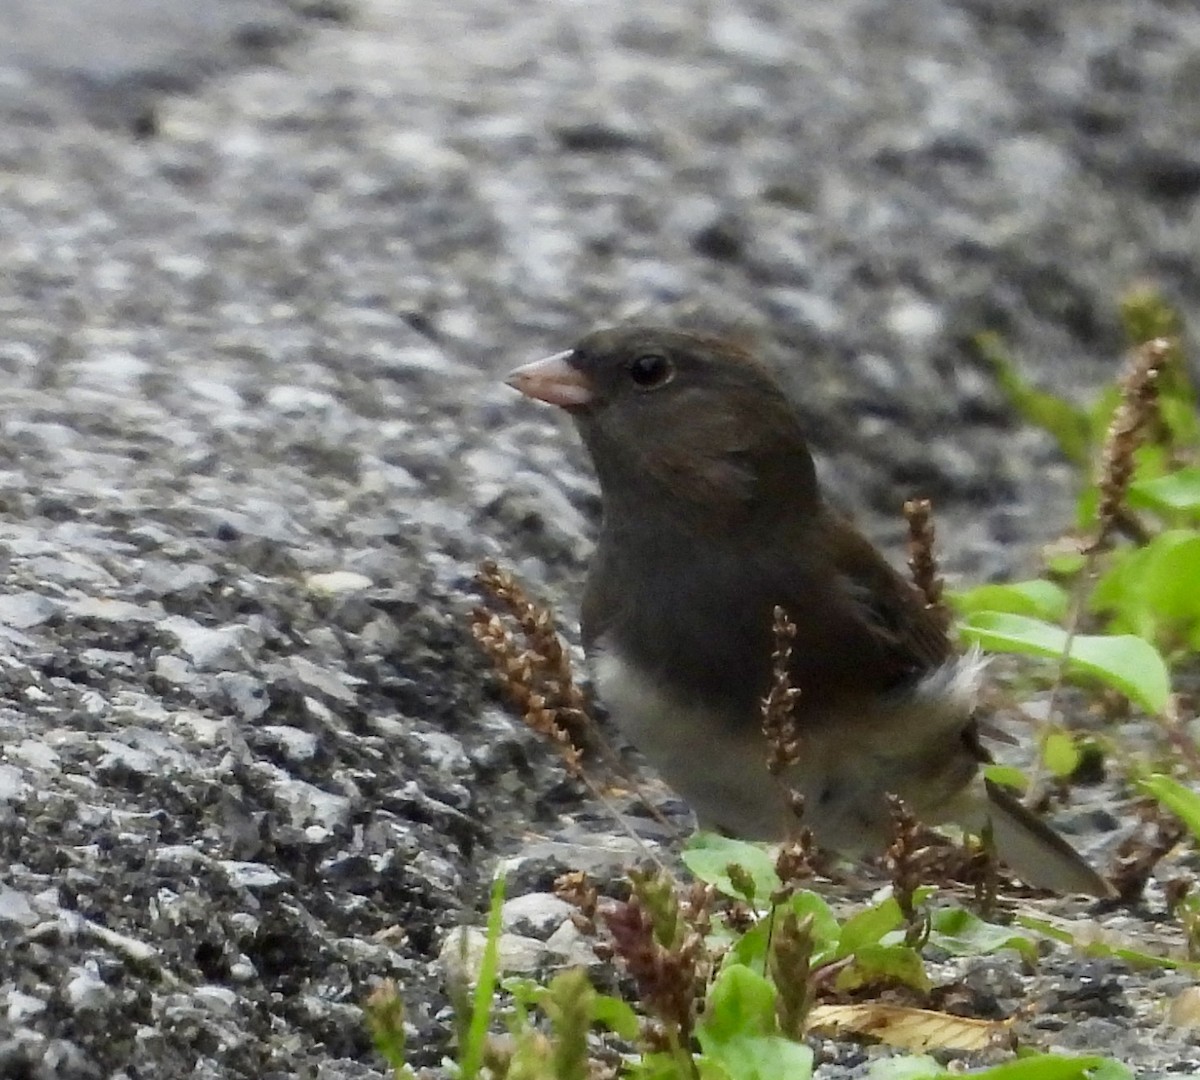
x=27 y=609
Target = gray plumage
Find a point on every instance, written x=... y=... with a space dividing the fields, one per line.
x=712 y=517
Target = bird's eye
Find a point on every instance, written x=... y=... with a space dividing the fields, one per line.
x=650 y=370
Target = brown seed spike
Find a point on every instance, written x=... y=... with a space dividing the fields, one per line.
x=1134 y=415
x=662 y=949
x=908 y=861
x=790 y=963
x=537 y=679
x=779 y=706
x=922 y=561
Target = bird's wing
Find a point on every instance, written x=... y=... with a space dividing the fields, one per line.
x=905 y=634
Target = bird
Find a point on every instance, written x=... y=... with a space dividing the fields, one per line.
x=711 y=517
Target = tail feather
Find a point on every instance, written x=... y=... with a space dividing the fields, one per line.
x=1035 y=851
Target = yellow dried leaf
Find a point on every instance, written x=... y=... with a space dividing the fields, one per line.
x=915 y=1030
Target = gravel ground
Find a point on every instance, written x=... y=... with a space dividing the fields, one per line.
x=254 y=441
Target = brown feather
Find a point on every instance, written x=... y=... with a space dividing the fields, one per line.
x=712 y=517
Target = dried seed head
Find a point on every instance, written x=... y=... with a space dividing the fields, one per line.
x=795 y=861
x=922 y=561
x=779 y=706
x=665 y=957
x=577 y=888
x=537 y=678
x=790 y=963
x=1134 y=415
x=907 y=859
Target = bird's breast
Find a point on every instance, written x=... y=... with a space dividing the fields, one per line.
x=714 y=758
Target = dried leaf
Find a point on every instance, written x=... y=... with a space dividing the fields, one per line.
x=915 y=1030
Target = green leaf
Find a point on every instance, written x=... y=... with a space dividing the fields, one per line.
x=868 y=926
x=1039 y=598
x=568 y=1007
x=750 y=949
x=616 y=1015
x=740 y=1003
x=905 y=1067
x=1119 y=595
x=1030 y=1067
x=1103 y=949
x=525 y=993
x=1179 y=413
x=1114 y=1070
x=1174 y=492
x=660 y=1066
x=1069 y=424
x=962 y=933
x=1182 y=801
x=1124 y=662
x=762 y=1057
x=1006 y=776
x=708 y=856
x=1152 y=460
x=1172 y=576
x=1046 y=928
x=1044 y=1067
x=884 y=963
x=1065 y=564
x=825 y=929
x=1059 y=753
x=485 y=989
x=1100 y=414
x=1156 y=588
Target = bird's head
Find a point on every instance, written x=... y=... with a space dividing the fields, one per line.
x=677 y=417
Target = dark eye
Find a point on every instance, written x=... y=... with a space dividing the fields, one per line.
x=650 y=370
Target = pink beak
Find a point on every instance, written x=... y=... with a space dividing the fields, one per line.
x=554 y=381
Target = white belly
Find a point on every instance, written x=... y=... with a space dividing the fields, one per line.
x=718 y=763
x=717 y=766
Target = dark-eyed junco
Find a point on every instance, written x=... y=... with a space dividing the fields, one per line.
x=712 y=517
